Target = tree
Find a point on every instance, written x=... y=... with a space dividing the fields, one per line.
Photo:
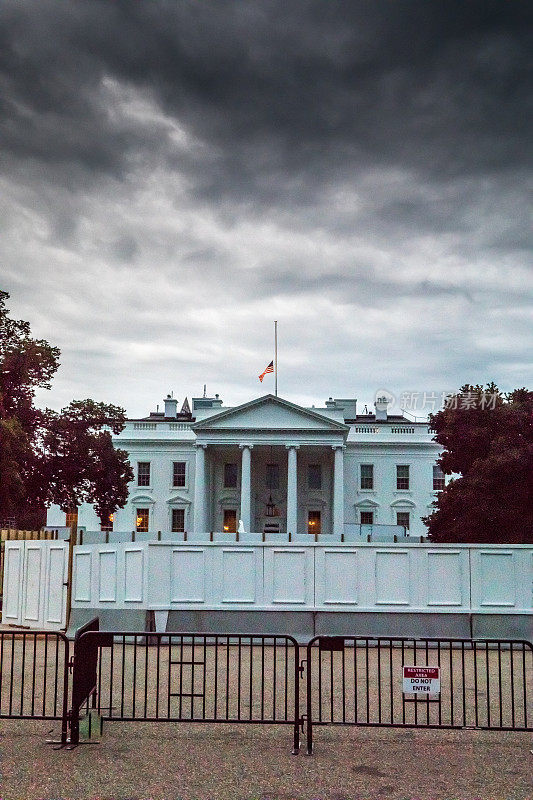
x=487 y=438
x=25 y=364
x=46 y=457
x=81 y=465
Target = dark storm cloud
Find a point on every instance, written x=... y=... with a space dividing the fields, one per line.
x=176 y=173
x=287 y=95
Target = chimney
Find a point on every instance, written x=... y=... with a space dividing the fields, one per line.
x=171 y=407
x=348 y=406
x=381 y=408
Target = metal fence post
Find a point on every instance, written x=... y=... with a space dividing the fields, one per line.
x=64 y=718
x=296 y=740
x=309 y=720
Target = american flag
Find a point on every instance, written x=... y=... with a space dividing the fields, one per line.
x=270 y=368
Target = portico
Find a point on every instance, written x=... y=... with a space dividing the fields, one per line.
x=269 y=460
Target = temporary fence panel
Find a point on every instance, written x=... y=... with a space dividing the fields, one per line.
x=190 y=677
x=303 y=576
x=503 y=578
x=35 y=576
x=110 y=576
x=469 y=684
x=34 y=676
x=13 y=582
x=13 y=534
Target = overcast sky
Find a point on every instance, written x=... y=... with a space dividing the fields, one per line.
x=176 y=175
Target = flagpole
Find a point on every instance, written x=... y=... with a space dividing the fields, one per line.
x=276 y=356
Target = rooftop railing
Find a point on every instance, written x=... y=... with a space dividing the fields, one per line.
x=163 y=425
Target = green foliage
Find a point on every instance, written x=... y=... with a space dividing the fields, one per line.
x=46 y=457
x=83 y=464
x=487 y=438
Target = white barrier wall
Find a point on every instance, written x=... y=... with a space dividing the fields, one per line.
x=164 y=576
x=35 y=575
x=365 y=577
x=110 y=576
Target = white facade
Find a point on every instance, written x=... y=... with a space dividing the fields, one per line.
x=326 y=469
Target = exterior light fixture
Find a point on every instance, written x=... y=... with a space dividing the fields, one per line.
x=270 y=508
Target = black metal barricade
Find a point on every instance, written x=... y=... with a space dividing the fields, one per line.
x=84 y=674
x=34 y=676
x=189 y=677
x=360 y=681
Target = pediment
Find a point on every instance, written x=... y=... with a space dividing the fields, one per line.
x=141 y=498
x=178 y=498
x=270 y=413
x=403 y=502
x=366 y=503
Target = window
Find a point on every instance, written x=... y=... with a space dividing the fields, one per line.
x=367 y=517
x=178 y=473
x=313 y=522
x=106 y=523
x=438 y=479
x=178 y=520
x=367 y=476
x=272 y=476
x=230 y=476
x=143 y=473
x=402 y=518
x=71 y=517
x=402 y=476
x=314 y=476
x=142 y=520
x=230 y=520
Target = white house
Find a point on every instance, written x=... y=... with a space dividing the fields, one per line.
x=173 y=560
x=276 y=466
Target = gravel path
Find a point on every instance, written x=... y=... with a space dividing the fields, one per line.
x=171 y=761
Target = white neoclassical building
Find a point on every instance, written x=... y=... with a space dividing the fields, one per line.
x=173 y=558
x=275 y=466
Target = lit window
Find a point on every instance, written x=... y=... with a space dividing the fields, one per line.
x=439 y=481
x=314 y=476
x=230 y=520
x=402 y=518
x=142 y=520
x=178 y=473
x=367 y=517
x=178 y=520
x=367 y=476
x=313 y=522
x=106 y=523
x=230 y=476
x=71 y=517
x=143 y=473
x=402 y=476
x=272 y=476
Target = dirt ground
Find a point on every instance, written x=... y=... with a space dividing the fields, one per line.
x=173 y=761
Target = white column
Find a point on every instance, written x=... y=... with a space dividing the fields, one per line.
x=246 y=485
x=338 y=491
x=199 y=490
x=292 y=489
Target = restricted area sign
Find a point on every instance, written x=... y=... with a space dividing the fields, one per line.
x=421 y=680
